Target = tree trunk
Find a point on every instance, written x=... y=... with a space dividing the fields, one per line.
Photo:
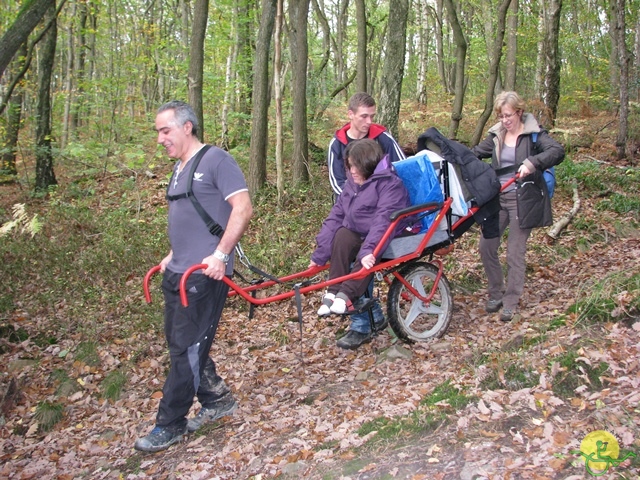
x=540 y=50
x=393 y=68
x=78 y=107
x=196 y=60
x=439 y=34
x=45 y=176
x=494 y=67
x=244 y=59
x=623 y=62
x=512 y=47
x=461 y=56
x=361 y=56
x=228 y=88
x=69 y=76
x=551 y=78
x=277 y=66
x=298 y=13
x=341 y=39
x=259 y=122
x=423 y=48
x=614 y=57
x=28 y=18
x=14 y=113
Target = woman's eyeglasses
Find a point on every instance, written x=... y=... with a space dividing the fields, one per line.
x=506 y=116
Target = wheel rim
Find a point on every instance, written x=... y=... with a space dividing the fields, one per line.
x=419 y=320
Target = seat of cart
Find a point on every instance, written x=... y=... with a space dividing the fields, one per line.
x=423 y=176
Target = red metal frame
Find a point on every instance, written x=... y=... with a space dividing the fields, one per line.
x=245 y=292
x=388 y=265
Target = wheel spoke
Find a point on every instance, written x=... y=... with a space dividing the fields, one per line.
x=410 y=317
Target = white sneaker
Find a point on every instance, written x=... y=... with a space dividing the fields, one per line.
x=339 y=306
x=327 y=301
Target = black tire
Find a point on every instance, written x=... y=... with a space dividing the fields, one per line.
x=410 y=319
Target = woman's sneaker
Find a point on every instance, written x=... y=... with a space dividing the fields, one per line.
x=341 y=304
x=327 y=301
x=493 y=306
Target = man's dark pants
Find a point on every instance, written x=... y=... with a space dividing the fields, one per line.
x=190 y=332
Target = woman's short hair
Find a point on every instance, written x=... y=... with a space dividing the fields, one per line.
x=508 y=98
x=364 y=154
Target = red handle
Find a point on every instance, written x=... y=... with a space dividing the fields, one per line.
x=183 y=282
x=145 y=283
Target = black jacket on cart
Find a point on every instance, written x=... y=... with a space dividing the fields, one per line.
x=478 y=177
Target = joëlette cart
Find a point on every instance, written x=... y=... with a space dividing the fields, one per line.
x=419 y=299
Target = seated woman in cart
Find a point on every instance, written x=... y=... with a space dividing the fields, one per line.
x=355 y=226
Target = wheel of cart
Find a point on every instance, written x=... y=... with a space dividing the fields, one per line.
x=419 y=303
x=419 y=300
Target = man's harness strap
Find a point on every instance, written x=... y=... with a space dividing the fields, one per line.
x=213 y=226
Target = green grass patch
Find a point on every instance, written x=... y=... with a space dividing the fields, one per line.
x=514 y=376
x=613 y=298
x=446 y=392
x=65 y=385
x=13 y=334
x=576 y=372
x=430 y=414
x=87 y=353
x=279 y=335
x=113 y=384
x=419 y=421
x=621 y=204
x=48 y=414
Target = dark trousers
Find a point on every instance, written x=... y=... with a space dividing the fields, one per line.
x=346 y=245
x=190 y=332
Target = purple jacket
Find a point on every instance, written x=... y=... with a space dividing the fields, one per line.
x=364 y=209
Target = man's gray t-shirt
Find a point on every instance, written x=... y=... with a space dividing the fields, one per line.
x=217 y=178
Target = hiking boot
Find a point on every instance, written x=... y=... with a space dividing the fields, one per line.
x=159 y=439
x=493 y=306
x=353 y=340
x=507 y=315
x=225 y=406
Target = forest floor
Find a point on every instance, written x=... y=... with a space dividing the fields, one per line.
x=532 y=389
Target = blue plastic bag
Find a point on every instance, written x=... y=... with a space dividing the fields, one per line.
x=420 y=179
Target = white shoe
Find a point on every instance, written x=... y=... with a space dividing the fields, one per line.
x=339 y=306
x=327 y=301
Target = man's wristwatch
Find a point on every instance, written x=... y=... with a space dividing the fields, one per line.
x=223 y=257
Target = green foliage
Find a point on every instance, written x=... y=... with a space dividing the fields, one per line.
x=622 y=204
x=612 y=298
x=513 y=376
x=448 y=393
x=97 y=250
x=281 y=240
x=432 y=412
x=419 y=421
x=87 y=353
x=48 y=414
x=21 y=222
x=66 y=385
x=279 y=335
x=575 y=372
x=113 y=384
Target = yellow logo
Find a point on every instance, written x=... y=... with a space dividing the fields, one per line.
x=600 y=450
